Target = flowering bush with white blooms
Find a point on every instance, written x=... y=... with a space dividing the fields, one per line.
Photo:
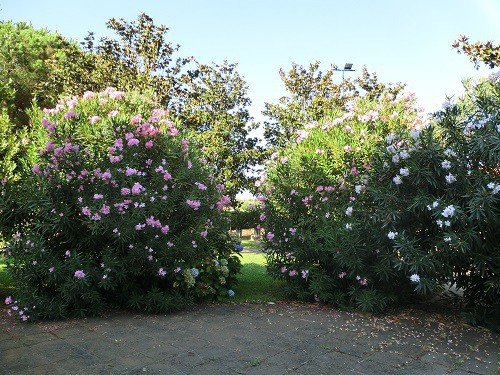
x=442 y=216
x=118 y=210
x=311 y=207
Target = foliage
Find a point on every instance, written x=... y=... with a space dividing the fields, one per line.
x=212 y=100
x=373 y=209
x=314 y=95
x=488 y=53
x=441 y=202
x=245 y=216
x=117 y=211
x=308 y=195
x=26 y=60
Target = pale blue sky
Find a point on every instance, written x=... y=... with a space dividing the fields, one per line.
x=407 y=41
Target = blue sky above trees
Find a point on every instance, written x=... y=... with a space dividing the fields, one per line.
x=406 y=41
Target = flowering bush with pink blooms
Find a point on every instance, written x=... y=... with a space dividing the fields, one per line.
x=308 y=196
x=118 y=210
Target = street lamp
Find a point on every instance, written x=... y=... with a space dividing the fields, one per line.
x=347 y=68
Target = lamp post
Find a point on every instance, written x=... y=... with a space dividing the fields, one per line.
x=347 y=68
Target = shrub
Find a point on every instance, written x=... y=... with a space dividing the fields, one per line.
x=440 y=205
x=421 y=215
x=308 y=197
x=118 y=211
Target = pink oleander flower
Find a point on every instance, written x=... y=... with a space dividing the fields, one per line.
x=189 y=164
x=270 y=236
x=116 y=95
x=36 y=169
x=58 y=151
x=125 y=191
x=137 y=188
x=70 y=114
x=162 y=272
x=177 y=269
x=113 y=113
x=293 y=231
x=262 y=217
x=174 y=132
x=51 y=269
x=204 y=233
x=293 y=273
x=98 y=196
x=94 y=119
x=135 y=119
x=88 y=95
x=200 y=186
x=194 y=204
x=106 y=175
x=284 y=269
x=130 y=171
x=79 y=274
x=8 y=300
x=149 y=144
x=165 y=229
x=105 y=209
x=167 y=176
x=305 y=273
x=342 y=275
x=115 y=159
x=347 y=148
x=133 y=142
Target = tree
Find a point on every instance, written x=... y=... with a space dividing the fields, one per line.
x=216 y=110
x=313 y=94
x=27 y=60
x=487 y=53
x=211 y=99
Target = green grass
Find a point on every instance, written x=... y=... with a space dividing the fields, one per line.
x=252 y=244
x=254 y=283
x=5 y=279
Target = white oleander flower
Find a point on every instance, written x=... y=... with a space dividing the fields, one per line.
x=449 y=211
x=450 y=178
x=415 y=278
x=404 y=172
x=392 y=235
x=446 y=164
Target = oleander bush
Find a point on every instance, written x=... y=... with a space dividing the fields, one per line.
x=438 y=208
x=113 y=208
x=378 y=206
x=308 y=196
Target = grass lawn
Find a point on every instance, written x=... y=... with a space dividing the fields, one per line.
x=254 y=283
x=252 y=244
x=5 y=280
